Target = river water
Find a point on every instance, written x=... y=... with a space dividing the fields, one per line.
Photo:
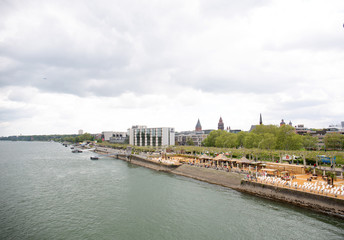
x=47 y=192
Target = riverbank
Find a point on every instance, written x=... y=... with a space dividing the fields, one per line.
x=323 y=204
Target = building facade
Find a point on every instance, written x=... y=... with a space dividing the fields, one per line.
x=197 y=136
x=143 y=136
x=114 y=137
x=119 y=137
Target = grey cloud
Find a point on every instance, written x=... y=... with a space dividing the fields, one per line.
x=52 y=58
x=128 y=46
x=299 y=110
x=248 y=80
x=7 y=115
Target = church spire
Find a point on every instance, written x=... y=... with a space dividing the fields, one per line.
x=260 y=120
x=220 y=125
x=198 y=126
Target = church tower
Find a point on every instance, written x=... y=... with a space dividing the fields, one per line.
x=220 y=125
x=198 y=126
x=260 y=120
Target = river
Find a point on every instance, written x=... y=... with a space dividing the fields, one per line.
x=48 y=192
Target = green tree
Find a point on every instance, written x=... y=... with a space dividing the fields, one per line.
x=332 y=176
x=287 y=139
x=226 y=140
x=86 y=137
x=309 y=142
x=268 y=141
x=334 y=141
x=231 y=140
x=241 y=138
x=252 y=140
x=262 y=129
x=210 y=140
x=190 y=142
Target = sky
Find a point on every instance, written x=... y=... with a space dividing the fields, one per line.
x=105 y=65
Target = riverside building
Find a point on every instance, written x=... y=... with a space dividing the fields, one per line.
x=114 y=137
x=143 y=136
x=196 y=136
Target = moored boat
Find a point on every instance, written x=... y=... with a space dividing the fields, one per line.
x=76 y=151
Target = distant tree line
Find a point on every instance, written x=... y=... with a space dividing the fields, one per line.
x=268 y=137
x=57 y=138
x=80 y=138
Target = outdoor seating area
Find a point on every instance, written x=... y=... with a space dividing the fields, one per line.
x=300 y=183
x=277 y=174
x=168 y=161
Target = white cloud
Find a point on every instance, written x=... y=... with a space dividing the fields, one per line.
x=102 y=65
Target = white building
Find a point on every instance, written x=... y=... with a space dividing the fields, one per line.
x=114 y=137
x=80 y=132
x=119 y=137
x=143 y=136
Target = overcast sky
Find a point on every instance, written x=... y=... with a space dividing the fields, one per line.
x=102 y=65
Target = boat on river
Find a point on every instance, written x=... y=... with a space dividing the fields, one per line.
x=76 y=151
x=94 y=158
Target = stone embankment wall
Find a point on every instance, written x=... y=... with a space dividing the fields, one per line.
x=141 y=161
x=226 y=179
x=324 y=204
x=134 y=159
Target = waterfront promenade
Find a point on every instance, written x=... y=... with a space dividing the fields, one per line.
x=297 y=189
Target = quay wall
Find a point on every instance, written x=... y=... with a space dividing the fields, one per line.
x=141 y=161
x=135 y=159
x=319 y=203
x=226 y=179
x=315 y=202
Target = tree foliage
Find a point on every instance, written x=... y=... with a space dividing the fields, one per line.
x=309 y=142
x=262 y=137
x=189 y=142
x=80 y=138
x=334 y=141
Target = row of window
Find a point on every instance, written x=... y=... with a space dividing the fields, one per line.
x=153 y=133
x=154 y=141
